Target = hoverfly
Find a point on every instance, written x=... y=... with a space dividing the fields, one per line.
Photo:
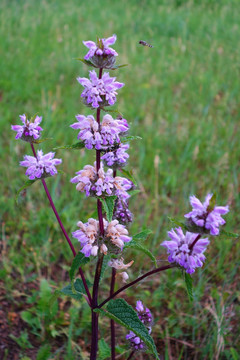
x=144 y=43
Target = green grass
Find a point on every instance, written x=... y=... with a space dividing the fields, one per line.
x=182 y=98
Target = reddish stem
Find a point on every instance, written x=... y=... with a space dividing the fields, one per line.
x=64 y=231
x=113 y=343
x=135 y=282
x=112 y=324
x=94 y=340
x=192 y=245
x=131 y=355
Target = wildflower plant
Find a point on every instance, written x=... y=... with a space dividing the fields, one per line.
x=108 y=237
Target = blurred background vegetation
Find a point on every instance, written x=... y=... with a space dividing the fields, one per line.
x=182 y=98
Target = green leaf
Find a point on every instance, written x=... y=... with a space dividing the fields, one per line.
x=44 y=352
x=129 y=175
x=212 y=203
x=229 y=234
x=86 y=62
x=39 y=141
x=67 y=290
x=188 y=282
x=79 y=287
x=234 y=354
x=53 y=298
x=111 y=111
x=123 y=314
x=75 y=291
x=25 y=186
x=130 y=138
x=115 y=67
x=76 y=146
x=79 y=260
x=138 y=246
x=133 y=192
x=178 y=223
x=104 y=350
x=142 y=235
x=108 y=204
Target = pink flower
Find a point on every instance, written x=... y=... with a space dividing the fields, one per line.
x=180 y=251
x=101 y=48
x=99 y=90
x=41 y=166
x=30 y=130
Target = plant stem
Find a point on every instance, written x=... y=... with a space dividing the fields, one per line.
x=94 y=341
x=192 y=245
x=136 y=281
x=64 y=231
x=112 y=325
x=98 y=162
x=131 y=355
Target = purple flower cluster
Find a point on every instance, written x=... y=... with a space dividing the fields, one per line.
x=42 y=166
x=101 y=183
x=146 y=317
x=100 y=137
x=115 y=236
x=122 y=213
x=206 y=217
x=101 y=48
x=99 y=90
x=116 y=158
x=30 y=130
x=181 y=252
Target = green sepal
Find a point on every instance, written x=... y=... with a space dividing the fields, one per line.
x=115 y=67
x=122 y=313
x=86 y=62
x=178 y=223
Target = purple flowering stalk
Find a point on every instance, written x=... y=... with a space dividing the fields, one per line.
x=109 y=235
x=40 y=166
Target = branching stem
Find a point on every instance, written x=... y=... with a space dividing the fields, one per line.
x=64 y=231
x=136 y=281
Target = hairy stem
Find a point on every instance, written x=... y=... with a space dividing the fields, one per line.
x=112 y=325
x=131 y=355
x=64 y=231
x=192 y=245
x=136 y=281
x=94 y=341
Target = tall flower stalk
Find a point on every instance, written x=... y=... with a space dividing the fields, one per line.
x=108 y=234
